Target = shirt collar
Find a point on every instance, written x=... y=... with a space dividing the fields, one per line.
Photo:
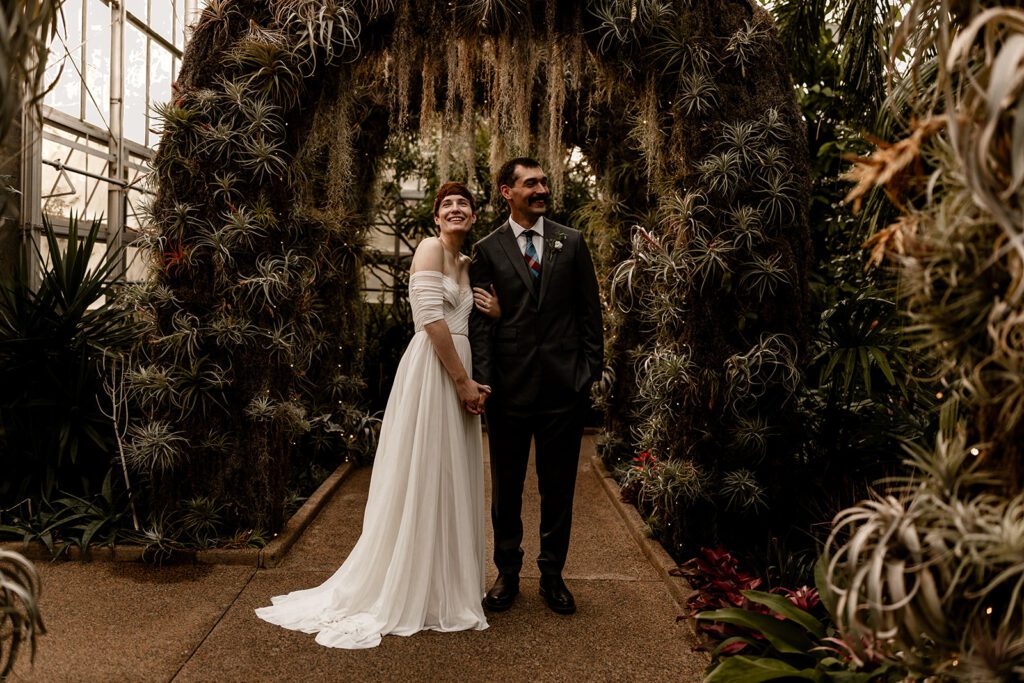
x=518 y=230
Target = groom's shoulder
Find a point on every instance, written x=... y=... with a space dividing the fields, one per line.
x=492 y=235
x=551 y=226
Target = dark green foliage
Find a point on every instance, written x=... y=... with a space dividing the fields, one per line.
x=100 y=519
x=54 y=343
x=783 y=635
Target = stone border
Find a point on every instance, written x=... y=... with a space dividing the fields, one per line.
x=656 y=554
x=276 y=550
x=270 y=556
x=652 y=549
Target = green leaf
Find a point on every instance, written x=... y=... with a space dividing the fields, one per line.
x=784 y=607
x=883 y=364
x=865 y=366
x=785 y=636
x=729 y=641
x=741 y=669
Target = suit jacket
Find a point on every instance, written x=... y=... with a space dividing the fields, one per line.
x=548 y=345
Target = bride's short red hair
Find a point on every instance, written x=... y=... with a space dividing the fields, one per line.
x=455 y=188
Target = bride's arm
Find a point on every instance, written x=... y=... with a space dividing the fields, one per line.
x=430 y=256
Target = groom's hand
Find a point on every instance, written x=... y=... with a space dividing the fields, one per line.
x=485 y=391
x=472 y=395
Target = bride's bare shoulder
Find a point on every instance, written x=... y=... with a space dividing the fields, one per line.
x=429 y=255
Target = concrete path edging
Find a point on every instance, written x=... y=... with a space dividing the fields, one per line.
x=268 y=556
x=654 y=551
x=656 y=554
x=276 y=550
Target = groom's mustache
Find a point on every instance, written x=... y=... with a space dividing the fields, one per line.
x=538 y=198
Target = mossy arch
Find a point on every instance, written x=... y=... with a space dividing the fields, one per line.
x=264 y=173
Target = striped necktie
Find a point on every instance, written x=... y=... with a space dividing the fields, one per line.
x=531 y=255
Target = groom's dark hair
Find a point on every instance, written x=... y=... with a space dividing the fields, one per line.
x=507 y=172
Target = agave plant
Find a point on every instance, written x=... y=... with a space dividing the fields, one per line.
x=52 y=343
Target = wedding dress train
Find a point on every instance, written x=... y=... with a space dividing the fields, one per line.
x=419 y=562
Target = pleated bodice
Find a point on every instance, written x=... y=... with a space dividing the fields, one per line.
x=435 y=296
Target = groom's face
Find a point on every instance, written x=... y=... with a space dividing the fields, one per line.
x=528 y=195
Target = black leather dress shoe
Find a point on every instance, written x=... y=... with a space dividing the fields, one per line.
x=557 y=595
x=502 y=593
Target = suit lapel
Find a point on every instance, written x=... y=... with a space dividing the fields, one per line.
x=507 y=240
x=547 y=266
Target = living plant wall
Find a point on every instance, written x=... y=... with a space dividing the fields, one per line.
x=685 y=112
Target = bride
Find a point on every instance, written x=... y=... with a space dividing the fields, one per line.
x=419 y=563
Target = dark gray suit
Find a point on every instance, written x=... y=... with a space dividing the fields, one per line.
x=540 y=359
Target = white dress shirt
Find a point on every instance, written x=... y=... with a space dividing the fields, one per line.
x=538 y=239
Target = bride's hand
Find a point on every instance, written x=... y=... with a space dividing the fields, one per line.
x=485 y=391
x=472 y=395
x=487 y=302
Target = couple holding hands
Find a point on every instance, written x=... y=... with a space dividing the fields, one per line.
x=513 y=333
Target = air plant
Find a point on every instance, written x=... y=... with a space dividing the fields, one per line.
x=660 y=486
x=154 y=447
x=741 y=490
x=721 y=171
x=932 y=563
x=20 y=619
x=746 y=44
x=763 y=275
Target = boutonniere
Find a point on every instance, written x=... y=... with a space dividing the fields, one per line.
x=557 y=242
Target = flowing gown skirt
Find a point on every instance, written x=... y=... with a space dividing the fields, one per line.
x=419 y=563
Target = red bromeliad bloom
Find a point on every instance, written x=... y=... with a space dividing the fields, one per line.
x=174 y=257
x=805 y=598
x=645 y=460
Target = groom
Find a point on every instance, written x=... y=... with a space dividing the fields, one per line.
x=540 y=358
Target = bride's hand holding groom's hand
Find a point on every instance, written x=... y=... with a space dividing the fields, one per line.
x=473 y=395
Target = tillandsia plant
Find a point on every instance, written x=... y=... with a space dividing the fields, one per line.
x=272 y=141
x=20 y=620
x=932 y=565
x=708 y=299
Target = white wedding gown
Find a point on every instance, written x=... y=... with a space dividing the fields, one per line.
x=419 y=563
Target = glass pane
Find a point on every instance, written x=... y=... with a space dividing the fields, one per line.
x=134 y=220
x=180 y=22
x=159 y=80
x=62 y=192
x=138 y=8
x=134 y=84
x=97 y=63
x=65 y=190
x=67 y=95
x=138 y=264
x=161 y=18
x=139 y=188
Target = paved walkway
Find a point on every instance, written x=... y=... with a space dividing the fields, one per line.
x=130 y=622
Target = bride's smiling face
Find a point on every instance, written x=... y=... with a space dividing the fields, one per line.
x=454 y=214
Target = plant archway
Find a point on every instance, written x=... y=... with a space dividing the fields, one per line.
x=264 y=176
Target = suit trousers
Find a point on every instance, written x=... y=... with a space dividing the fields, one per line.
x=557 y=433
